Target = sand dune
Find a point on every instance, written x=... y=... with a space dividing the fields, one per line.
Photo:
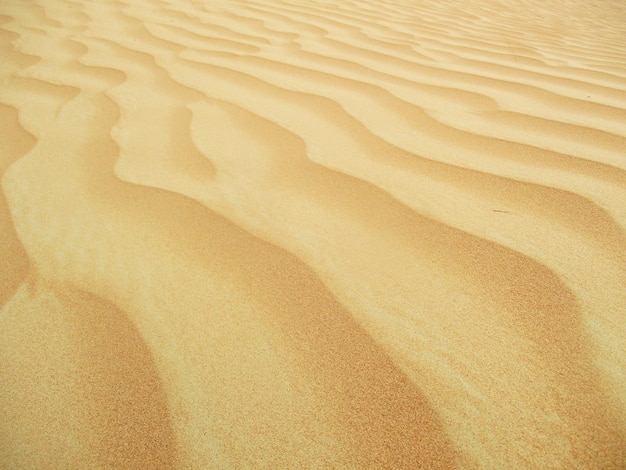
x=313 y=234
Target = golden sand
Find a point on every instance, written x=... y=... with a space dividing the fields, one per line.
x=313 y=234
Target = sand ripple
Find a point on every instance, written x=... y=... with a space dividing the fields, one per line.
x=309 y=234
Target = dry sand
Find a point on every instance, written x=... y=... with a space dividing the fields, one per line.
x=313 y=234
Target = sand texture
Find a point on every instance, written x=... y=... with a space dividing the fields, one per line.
x=313 y=234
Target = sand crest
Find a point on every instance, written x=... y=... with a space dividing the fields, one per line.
x=312 y=234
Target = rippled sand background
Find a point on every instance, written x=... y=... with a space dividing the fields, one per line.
x=313 y=234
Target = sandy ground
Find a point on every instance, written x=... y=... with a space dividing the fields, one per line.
x=313 y=234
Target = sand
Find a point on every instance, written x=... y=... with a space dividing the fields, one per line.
x=313 y=234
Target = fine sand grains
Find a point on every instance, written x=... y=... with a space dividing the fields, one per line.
x=313 y=234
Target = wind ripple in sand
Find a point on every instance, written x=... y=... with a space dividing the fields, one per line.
x=304 y=234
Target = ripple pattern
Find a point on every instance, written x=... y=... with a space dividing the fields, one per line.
x=313 y=234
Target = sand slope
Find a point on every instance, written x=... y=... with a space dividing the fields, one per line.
x=313 y=234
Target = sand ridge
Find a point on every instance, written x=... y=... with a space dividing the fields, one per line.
x=310 y=234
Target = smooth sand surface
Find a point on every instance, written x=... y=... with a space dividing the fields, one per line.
x=313 y=234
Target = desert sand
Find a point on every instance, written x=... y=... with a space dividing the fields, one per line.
x=313 y=234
